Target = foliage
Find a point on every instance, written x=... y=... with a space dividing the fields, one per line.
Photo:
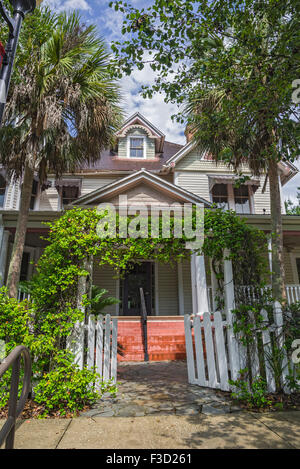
x=254 y=395
x=68 y=389
x=234 y=65
x=292 y=209
x=62 y=110
x=248 y=326
x=246 y=245
x=73 y=240
x=61 y=92
x=58 y=383
x=99 y=300
x=239 y=57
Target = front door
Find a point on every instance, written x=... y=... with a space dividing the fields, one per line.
x=139 y=276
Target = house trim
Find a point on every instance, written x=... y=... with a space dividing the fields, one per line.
x=139 y=176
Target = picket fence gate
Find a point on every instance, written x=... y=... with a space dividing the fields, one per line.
x=99 y=337
x=215 y=354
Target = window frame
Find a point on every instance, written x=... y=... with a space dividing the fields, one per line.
x=296 y=275
x=5 y=193
x=231 y=197
x=60 y=196
x=36 y=196
x=129 y=147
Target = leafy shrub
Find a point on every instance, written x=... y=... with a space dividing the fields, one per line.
x=254 y=395
x=59 y=385
x=67 y=389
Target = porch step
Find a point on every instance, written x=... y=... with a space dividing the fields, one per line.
x=166 y=340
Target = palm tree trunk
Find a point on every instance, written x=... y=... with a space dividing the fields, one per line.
x=278 y=274
x=18 y=247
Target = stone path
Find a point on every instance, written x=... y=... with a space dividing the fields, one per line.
x=159 y=388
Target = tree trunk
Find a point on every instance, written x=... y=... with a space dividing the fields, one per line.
x=278 y=275
x=18 y=247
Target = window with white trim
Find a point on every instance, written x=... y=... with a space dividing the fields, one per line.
x=34 y=194
x=242 y=199
x=220 y=196
x=136 y=147
x=2 y=190
x=227 y=196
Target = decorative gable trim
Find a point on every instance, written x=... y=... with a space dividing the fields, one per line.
x=139 y=121
x=180 y=154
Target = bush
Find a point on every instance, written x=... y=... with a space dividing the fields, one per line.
x=59 y=385
x=67 y=389
x=254 y=395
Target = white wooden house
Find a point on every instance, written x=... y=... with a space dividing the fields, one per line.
x=147 y=168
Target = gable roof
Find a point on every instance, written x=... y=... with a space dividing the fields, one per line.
x=288 y=170
x=180 y=154
x=138 y=117
x=134 y=179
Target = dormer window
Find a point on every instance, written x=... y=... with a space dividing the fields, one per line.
x=136 y=147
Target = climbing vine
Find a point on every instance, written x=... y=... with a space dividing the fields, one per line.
x=73 y=238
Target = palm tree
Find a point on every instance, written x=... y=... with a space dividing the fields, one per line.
x=237 y=140
x=63 y=109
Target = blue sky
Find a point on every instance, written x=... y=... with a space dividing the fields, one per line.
x=109 y=23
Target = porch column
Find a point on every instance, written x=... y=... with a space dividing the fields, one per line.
x=199 y=286
x=4 y=235
x=233 y=348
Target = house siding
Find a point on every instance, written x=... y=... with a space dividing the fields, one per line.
x=191 y=174
x=49 y=198
x=12 y=196
x=167 y=290
x=103 y=277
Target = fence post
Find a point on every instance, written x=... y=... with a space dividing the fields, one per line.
x=278 y=320
x=229 y=306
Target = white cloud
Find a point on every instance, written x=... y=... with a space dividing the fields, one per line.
x=156 y=110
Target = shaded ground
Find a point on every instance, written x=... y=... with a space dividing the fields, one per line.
x=159 y=388
x=238 y=430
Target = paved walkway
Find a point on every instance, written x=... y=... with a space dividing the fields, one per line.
x=157 y=409
x=240 y=430
x=160 y=388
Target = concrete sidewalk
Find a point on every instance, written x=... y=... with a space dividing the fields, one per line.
x=241 y=430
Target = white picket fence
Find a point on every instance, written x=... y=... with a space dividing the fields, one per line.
x=101 y=339
x=207 y=356
x=215 y=354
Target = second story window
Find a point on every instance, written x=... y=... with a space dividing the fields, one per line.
x=34 y=194
x=68 y=191
x=242 y=199
x=228 y=197
x=220 y=196
x=2 y=191
x=136 y=147
x=69 y=194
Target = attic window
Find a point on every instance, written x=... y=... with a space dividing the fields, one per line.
x=136 y=147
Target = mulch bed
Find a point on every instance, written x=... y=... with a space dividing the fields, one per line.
x=279 y=402
x=32 y=410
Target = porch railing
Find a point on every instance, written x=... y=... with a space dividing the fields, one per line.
x=250 y=293
x=15 y=406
